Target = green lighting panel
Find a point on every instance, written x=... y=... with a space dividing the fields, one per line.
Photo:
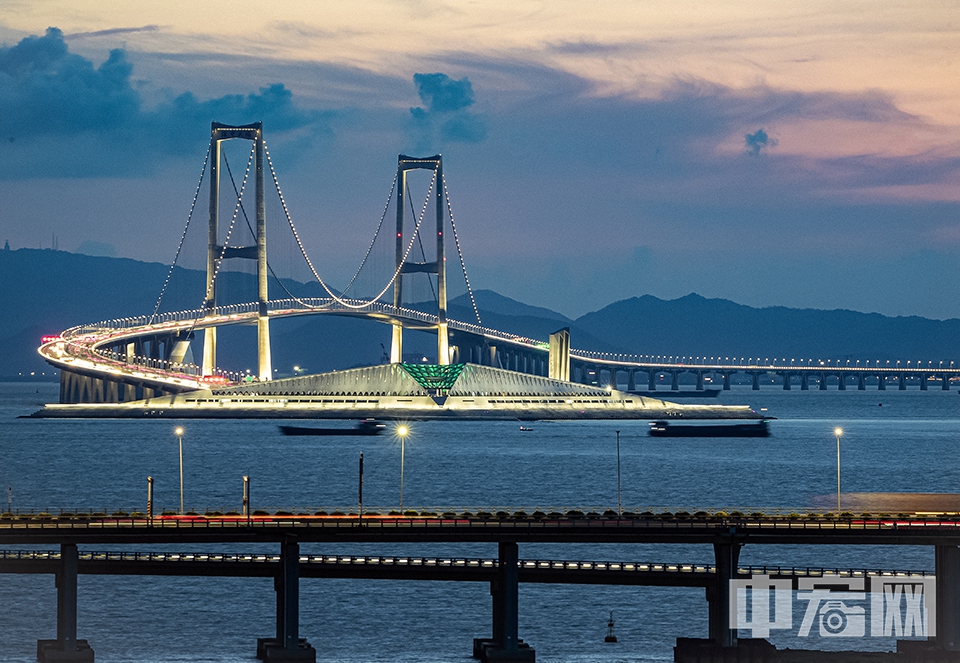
x=434 y=376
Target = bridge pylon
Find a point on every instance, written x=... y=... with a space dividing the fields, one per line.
x=217 y=252
x=438 y=267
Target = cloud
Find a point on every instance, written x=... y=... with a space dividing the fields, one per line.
x=113 y=31
x=757 y=141
x=64 y=116
x=445 y=117
x=442 y=94
x=45 y=90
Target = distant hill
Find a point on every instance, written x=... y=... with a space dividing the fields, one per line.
x=696 y=326
x=45 y=291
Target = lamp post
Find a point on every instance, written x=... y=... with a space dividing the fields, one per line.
x=402 y=432
x=619 y=503
x=838 y=432
x=179 y=433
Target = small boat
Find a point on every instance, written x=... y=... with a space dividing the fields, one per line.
x=365 y=427
x=742 y=429
x=525 y=429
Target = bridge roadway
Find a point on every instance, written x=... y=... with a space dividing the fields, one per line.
x=516 y=527
x=726 y=531
x=103 y=351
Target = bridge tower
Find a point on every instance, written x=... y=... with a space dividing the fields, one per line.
x=438 y=267
x=215 y=251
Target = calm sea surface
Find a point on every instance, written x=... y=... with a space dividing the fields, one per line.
x=909 y=443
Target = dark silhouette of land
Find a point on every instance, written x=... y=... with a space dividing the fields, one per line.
x=46 y=291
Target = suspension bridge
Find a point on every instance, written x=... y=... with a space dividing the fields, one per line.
x=149 y=359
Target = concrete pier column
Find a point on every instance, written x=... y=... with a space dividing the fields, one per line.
x=66 y=647
x=902 y=382
x=786 y=381
x=843 y=381
x=675 y=380
x=756 y=381
x=288 y=645
x=631 y=380
x=923 y=383
x=882 y=382
x=726 y=381
x=823 y=381
x=944 y=382
x=699 y=380
x=861 y=382
x=948 y=598
x=804 y=381
x=727 y=558
x=652 y=380
x=505 y=644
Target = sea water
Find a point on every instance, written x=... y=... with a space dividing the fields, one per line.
x=892 y=441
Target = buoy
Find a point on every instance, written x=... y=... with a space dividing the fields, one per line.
x=610 y=636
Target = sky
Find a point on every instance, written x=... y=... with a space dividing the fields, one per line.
x=794 y=154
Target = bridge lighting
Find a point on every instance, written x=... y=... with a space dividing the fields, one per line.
x=838 y=432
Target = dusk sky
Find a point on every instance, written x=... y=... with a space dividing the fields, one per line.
x=797 y=154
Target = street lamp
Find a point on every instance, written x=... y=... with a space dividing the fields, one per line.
x=838 y=432
x=179 y=433
x=402 y=431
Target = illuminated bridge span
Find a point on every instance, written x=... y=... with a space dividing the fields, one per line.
x=141 y=357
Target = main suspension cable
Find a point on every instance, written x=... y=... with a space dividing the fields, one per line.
x=183 y=236
x=313 y=270
x=253 y=233
x=456 y=239
x=226 y=240
x=422 y=252
x=376 y=234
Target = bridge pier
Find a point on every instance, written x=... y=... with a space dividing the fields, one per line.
x=287 y=645
x=804 y=381
x=675 y=380
x=861 y=382
x=699 y=380
x=944 y=382
x=786 y=381
x=505 y=645
x=902 y=382
x=948 y=598
x=882 y=382
x=823 y=381
x=756 y=380
x=631 y=380
x=652 y=380
x=843 y=381
x=726 y=381
x=66 y=648
x=923 y=383
x=727 y=558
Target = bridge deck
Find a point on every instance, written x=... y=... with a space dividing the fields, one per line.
x=400 y=567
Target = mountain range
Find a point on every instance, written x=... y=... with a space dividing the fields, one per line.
x=46 y=291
